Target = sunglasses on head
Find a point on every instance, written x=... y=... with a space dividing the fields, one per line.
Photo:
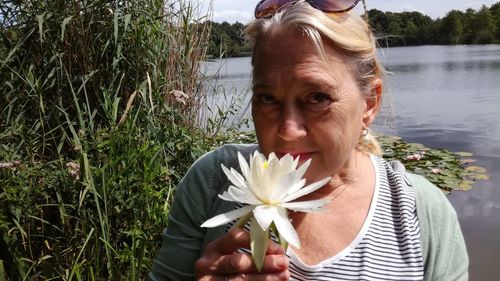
x=267 y=8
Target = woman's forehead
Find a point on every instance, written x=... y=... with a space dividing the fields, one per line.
x=294 y=45
x=296 y=55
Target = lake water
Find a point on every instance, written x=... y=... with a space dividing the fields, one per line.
x=444 y=97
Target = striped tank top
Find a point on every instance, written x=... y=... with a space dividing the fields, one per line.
x=388 y=244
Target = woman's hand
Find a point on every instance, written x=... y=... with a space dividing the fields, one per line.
x=220 y=261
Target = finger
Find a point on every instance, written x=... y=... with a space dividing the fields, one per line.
x=212 y=278
x=238 y=238
x=274 y=248
x=243 y=263
x=232 y=241
x=285 y=275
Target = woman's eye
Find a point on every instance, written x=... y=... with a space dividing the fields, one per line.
x=265 y=99
x=319 y=98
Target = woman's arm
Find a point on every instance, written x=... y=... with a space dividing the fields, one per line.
x=195 y=201
x=443 y=245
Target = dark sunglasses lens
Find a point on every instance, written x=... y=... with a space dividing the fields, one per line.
x=267 y=8
x=334 y=5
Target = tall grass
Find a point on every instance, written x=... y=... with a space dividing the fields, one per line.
x=99 y=119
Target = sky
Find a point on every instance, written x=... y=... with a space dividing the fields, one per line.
x=242 y=10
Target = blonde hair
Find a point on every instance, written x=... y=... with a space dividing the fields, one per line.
x=349 y=34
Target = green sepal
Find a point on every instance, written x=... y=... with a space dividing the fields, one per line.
x=258 y=243
x=281 y=239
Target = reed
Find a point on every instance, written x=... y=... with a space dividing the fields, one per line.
x=99 y=119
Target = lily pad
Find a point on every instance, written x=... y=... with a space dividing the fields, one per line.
x=476 y=169
x=447 y=170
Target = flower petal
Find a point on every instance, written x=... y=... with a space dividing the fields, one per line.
x=302 y=169
x=238 y=195
x=306 y=190
x=285 y=228
x=234 y=177
x=243 y=165
x=272 y=157
x=282 y=186
x=226 y=196
x=227 y=217
x=265 y=214
x=294 y=188
x=258 y=243
x=307 y=206
x=256 y=167
x=287 y=162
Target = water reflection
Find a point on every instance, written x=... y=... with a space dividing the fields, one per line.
x=471 y=65
x=407 y=68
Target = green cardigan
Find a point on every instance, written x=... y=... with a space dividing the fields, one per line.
x=196 y=200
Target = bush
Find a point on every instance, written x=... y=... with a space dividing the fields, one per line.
x=99 y=119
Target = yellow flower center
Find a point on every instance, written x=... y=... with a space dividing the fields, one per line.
x=266 y=164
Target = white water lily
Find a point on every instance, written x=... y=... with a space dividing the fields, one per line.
x=269 y=188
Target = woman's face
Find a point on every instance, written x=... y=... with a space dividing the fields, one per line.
x=305 y=106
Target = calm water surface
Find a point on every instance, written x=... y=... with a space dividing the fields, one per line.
x=443 y=97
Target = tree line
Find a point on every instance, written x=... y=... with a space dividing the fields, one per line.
x=480 y=26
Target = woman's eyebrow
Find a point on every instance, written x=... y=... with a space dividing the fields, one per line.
x=261 y=84
x=320 y=84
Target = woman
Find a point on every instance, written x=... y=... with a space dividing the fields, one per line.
x=317 y=88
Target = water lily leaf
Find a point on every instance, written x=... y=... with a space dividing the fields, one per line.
x=481 y=177
x=464 y=154
x=451 y=182
x=466 y=185
x=416 y=145
x=476 y=169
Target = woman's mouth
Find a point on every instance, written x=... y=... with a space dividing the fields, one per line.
x=301 y=155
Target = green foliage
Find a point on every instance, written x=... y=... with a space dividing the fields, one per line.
x=226 y=40
x=99 y=120
x=413 y=28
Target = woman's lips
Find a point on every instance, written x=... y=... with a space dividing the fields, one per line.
x=301 y=155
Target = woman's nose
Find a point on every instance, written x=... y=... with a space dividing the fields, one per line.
x=291 y=127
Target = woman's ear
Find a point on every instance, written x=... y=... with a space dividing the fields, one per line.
x=373 y=102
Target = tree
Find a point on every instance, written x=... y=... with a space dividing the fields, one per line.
x=495 y=11
x=486 y=26
x=452 y=28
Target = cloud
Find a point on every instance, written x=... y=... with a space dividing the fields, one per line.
x=232 y=16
